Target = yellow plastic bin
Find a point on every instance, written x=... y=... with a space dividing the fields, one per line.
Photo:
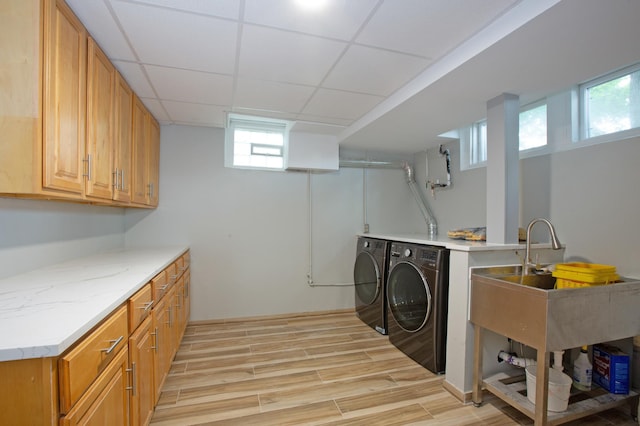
x=579 y=274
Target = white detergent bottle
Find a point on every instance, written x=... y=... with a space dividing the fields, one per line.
x=582 y=370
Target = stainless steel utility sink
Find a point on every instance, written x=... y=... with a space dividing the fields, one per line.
x=513 y=274
x=540 y=316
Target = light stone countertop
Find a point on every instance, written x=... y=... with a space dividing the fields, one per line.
x=45 y=311
x=451 y=244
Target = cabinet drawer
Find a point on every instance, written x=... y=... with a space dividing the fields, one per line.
x=106 y=400
x=80 y=367
x=179 y=264
x=172 y=273
x=186 y=261
x=160 y=286
x=140 y=305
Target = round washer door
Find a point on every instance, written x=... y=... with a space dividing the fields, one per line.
x=367 y=278
x=409 y=296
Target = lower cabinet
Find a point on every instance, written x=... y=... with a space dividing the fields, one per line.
x=111 y=376
x=163 y=322
x=141 y=354
x=106 y=402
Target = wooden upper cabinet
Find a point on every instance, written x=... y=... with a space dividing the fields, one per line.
x=64 y=99
x=153 y=174
x=146 y=156
x=123 y=140
x=139 y=152
x=101 y=80
x=70 y=129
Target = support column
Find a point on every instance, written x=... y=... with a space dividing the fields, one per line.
x=503 y=162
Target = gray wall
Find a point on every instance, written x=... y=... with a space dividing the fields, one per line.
x=249 y=230
x=36 y=233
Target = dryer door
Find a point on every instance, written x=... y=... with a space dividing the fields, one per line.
x=367 y=278
x=409 y=296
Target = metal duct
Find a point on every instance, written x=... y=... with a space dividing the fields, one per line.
x=411 y=181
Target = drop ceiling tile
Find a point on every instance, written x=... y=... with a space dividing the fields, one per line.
x=271 y=96
x=190 y=86
x=179 y=39
x=340 y=104
x=195 y=114
x=374 y=71
x=270 y=54
x=134 y=75
x=156 y=109
x=263 y=113
x=223 y=8
x=338 y=19
x=310 y=124
x=104 y=30
x=429 y=28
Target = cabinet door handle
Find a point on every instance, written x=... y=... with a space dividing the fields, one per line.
x=132 y=370
x=156 y=337
x=114 y=343
x=88 y=161
x=115 y=179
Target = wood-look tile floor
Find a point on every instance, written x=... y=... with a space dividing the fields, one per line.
x=315 y=370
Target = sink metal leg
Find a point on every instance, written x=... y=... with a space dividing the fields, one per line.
x=477 y=366
x=542 y=387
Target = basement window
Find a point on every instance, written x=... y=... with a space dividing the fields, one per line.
x=533 y=126
x=255 y=142
x=532 y=134
x=611 y=104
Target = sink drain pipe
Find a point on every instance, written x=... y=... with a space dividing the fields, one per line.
x=515 y=360
x=511 y=358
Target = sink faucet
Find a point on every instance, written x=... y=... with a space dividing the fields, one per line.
x=555 y=243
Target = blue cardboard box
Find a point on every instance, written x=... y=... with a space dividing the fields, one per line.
x=611 y=369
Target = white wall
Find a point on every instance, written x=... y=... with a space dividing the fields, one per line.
x=595 y=204
x=36 y=233
x=248 y=230
x=590 y=195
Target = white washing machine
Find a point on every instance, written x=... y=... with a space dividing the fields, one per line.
x=418 y=294
x=369 y=277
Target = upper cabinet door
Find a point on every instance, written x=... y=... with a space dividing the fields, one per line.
x=140 y=152
x=123 y=149
x=64 y=99
x=153 y=189
x=101 y=79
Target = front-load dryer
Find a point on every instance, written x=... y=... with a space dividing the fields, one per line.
x=369 y=277
x=417 y=294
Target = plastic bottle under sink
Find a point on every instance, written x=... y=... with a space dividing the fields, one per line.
x=582 y=371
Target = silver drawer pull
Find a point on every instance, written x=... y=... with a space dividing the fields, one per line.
x=147 y=306
x=164 y=287
x=114 y=343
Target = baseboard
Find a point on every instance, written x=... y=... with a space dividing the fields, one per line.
x=464 y=397
x=273 y=317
